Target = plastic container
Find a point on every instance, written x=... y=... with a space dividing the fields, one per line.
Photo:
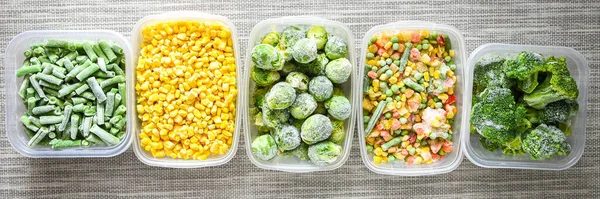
x=579 y=70
x=15 y=108
x=451 y=160
x=350 y=88
x=136 y=39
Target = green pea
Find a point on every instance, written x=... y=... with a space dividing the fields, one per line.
x=397 y=98
x=389 y=73
x=412 y=151
x=395 y=46
x=441 y=152
x=388 y=99
x=391 y=158
x=432 y=136
x=374 y=68
x=423 y=143
x=388 y=61
x=452 y=67
x=438 y=105
x=433 y=35
x=383 y=85
x=449 y=137
x=366 y=118
x=404 y=132
x=448 y=58
x=381 y=63
x=450 y=121
x=373 y=39
x=403 y=120
x=425 y=41
x=445 y=135
x=421 y=81
x=403 y=89
x=369 y=148
x=422 y=106
x=394 y=40
x=419 y=47
x=425 y=46
x=389 y=92
x=388 y=115
x=398 y=132
x=370 y=55
x=397 y=62
x=370 y=87
x=436 y=99
x=395 y=88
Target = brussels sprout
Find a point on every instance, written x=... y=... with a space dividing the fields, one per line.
x=297 y=123
x=338 y=70
x=337 y=134
x=338 y=107
x=321 y=88
x=263 y=77
x=319 y=35
x=302 y=151
x=274 y=118
x=281 y=96
x=289 y=36
x=304 y=51
x=315 y=67
x=285 y=53
x=336 y=47
x=271 y=38
x=266 y=57
x=259 y=122
x=320 y=108
x=259 y=96
x=303 y=106
x=324 y=153
x=288 y=67
x=338 y=92
x=298 y=80
x=264 y=147
x=287 y=137
x=316 y=128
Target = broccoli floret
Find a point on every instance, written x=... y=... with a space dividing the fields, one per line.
x=546 y=142
x=488 y=145
x=557 y=66
x=488 y=73
x=514 y=146
x=496 y=115
x=525 y=68
x=555 y=87
x=559 y=111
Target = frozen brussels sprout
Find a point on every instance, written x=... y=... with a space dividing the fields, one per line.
x=338 y=92
x=281 y=96
x=266 y=57
x=288 y=67
x=298 y=80
x=274 y=118
x=285 y=53
x=304 y=106
x=319 y=35
x=271 y=38
x=337 y=134
x=259 y=123
x=297 y=123
x=264 y=77
x=315 y=67
x=302 y=151
x=338 y=107
x=259 y=96
x=324 y=153
x=289 y=36
x=320 y=88
x=304 y=51
x=336 y=47
x=287 y=137
x=264 y=147
x=338 y=70
x=320 y=108
x=316 y=128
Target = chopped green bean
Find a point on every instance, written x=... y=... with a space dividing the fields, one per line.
x=68 y=89
x=107 y=50
x=65 y=120
x=78 y=100
x=39 y=136
x=87 y=72
x=94 y=139
x=98 y=51
x=53 y=119
x=104 y=136
x=74 y=124
x=375 y=117
x=82 y=89
x=28 y=70
x=23 y=88
x=96 y=89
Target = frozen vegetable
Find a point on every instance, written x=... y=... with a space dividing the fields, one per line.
x=338 y=70
x=337 y=133
x=264 y=147
x=298 y=80
x=488 y=73
x=271 y=38
x=287 y=137
x=304 y=51
x=186 y=99
x=336 y=47
x=559 y=111
x=274 y=118
x=303 y=106
x=289 y=36
x=545 y=142
x=555 y=87
x=266 y=57
x=320 y=88
x=319 y=35
x=315 y=67
x=281 y=96
x=524 y=68
x=49 y=94
x=316 y=128
x=338 y=107
x=264 y=77
x=324 y=153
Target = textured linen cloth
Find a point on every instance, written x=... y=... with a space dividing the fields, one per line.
x=573 y=24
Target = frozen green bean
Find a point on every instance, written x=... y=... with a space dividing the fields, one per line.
x=122 y=92
x=102 y=64
x=68 y=89
x=39 y=136
x=78 y=100
x=45 y=84
x=82 y=89
x=104 y=136
x=87 y=72
x=51 y=119
x=28 y=70
x=110 y=103
x=69 y=57
x=96 y=89
x=65 y=119
x=78 y=69
x=74 y=124
x=98 y=51
x=89 y=51
x=120 y=110
x=40 y=110
x=36 y=86
x=112 y=81
x=94 y=139
x=59 y=72
x=88 y=95
x=86 y=125
x=49 y=78
x=107 y=50
x=23 y=88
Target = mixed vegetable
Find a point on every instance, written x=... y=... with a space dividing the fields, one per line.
x=523 y=105
x=298 y=108
x=408 y=101
x=186 y=89
x=74 y=93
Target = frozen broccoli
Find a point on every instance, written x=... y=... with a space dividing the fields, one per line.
x=264 y=147
x=335 y=48
x=298 y=80
x=324 y=153
x=315 y=67
x=271 y=38
x=559 y=111
x=488 y=73
x=266 y=57
x=488 y=145
x=303 y=106
x=304 y=51
x=338 y=70
x=274 y=118
x=281 y=96
x=287 y=137
x=337 y=134
x=321 y=88
x=496 y=115
x=319 y=35
x=525 y=68
x=263 y=77
x=316 y=128
x=546 y=142
x=555 y=87
x=338 y=107
x=289 y=36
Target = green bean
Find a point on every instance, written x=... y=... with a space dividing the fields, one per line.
x=69 y=57
x=53 y=119
x=69 y=65
x=102 y=64
x=86 y=124
x=391 y=143
x=415 y=86
x=82 y=89
x=114 y=131
x=78 y=100
x=66 y=118
x=59 y=72
x=49 y=91
x=40 y=110
x=39 y=136
x=117 y=100
x=105 y=136
x=117 y=69
x=31 y=104
x=35 y=61
x=87 y=72
x=68 y=89
x=47 y=68
x=28 y=70
x=44 y=59
x=81 y=59
x=80 y=108
x=111 y=81
x=94 y=139
x=115 y=119
x=49 y=78
x=121 y=87
x=74 y=123
x=88 y=48
x=51 y=135
x=120 y=110
x=107 y=50
x=91 y=111
x=117 y=49
x=110 y=103
x=28 y=124
x=98 y=51
x=53 y=58
x=35 y=121
x=39 y=52
x=27 y=53
x=45 y=84
x=88 y=95
x=57 y=44
x=77 y=69
x=102 y=74
x=23 y=88
x=375 y=117
x=59 y=144
x=404 y=58
x=121 y=123
x=96 y=89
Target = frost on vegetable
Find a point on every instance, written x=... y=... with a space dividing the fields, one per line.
x=263 y=77
x=320 y=88
x=336 y=47
x=287 y=137
x=281 y=96
x=338 y=107
x=316 y=128
x=304 y=51
x=324 y=153
x=319 y=35
x=298 y=80
x=303 y=107
x=264 y=147
x=289 y=36
x=274 y=118
x=271 y=38
x=315 y=67
x=266 y=57
x=338 y=70
x=545 y=142
x=337 y=134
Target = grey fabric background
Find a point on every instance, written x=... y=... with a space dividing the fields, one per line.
x=570 y=23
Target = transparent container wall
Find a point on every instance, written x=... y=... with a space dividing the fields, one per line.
x=136 y=40
x=15 y=108
x=579 y=70
x=451 y=160
x=350 y=88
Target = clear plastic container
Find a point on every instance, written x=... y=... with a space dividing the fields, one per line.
x=350 y=88
x=15 y=108
x=451 y=160
x=136 y=39
x=579 y=70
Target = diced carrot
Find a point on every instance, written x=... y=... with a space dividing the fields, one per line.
x=395 y=124
x=372 y=74
x=447 y=146
x=379 y=127
x=435 y=146
x=410 y=160
x=416 y=37
x=409 y=93
x=385 y=135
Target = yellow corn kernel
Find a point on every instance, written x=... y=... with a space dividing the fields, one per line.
x=377 y=159
x=436 y=74
x=426 y=76
x=451 y=52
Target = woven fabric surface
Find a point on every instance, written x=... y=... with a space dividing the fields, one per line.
x=573 y=24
